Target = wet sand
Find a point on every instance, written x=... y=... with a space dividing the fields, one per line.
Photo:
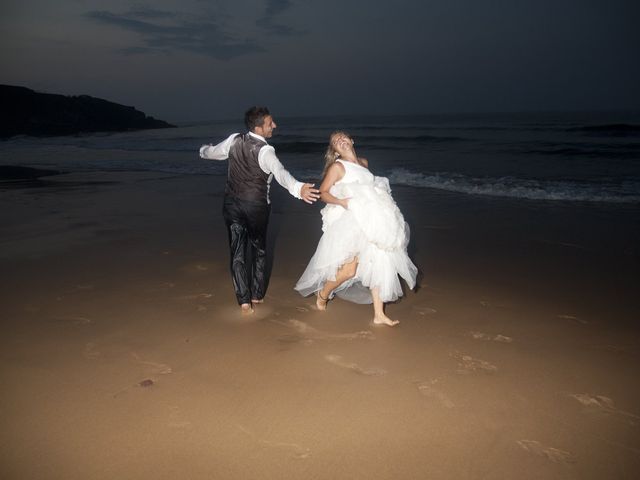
x=124 y=355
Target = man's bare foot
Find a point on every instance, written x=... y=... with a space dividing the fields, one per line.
x=321 y=302
x=384 y=320
x=246 y=309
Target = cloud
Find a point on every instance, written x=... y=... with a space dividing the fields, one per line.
x=143 y=12
x=136 y=50
x=164 y=31
x=267 y=21
x=274 y=7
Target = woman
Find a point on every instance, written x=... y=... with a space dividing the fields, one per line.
x=364 y=245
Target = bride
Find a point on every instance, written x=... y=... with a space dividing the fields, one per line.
x=364 y=245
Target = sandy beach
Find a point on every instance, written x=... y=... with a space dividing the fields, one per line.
x=124 y=355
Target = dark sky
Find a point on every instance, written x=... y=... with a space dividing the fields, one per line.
x=186 y=60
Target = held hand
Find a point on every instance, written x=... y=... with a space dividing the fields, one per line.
x=345 y=203
x=308 y=193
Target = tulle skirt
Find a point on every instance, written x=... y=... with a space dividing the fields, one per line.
x=373 y=231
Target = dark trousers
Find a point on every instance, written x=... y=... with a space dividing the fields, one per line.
x=247 y=223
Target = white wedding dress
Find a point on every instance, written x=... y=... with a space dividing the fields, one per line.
x=372 y=230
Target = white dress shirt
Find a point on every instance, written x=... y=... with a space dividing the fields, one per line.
x=267 y=160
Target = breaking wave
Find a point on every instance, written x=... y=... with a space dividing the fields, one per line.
x=625 y=192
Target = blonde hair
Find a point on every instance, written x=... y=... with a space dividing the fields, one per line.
x=331 y=155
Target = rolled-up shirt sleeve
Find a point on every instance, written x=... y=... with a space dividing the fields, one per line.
x=219 y=151
x=269 y=163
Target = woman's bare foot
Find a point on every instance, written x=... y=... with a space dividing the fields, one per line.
x=253 y=300
x=321 y=302
x=384 y=320
x=246 y=309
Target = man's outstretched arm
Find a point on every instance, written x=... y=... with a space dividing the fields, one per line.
x=219 y=151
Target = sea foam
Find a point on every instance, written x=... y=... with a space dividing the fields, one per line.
x=508 y=186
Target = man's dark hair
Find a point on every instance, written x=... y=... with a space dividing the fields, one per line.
x=254 y=117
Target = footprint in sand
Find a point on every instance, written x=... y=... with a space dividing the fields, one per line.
x=145 y=384
x=161 y=287
x=467 y=364
x=176 y=419
x=612 y=348
x=488 y=304
x=199 y=267
x=76 y=289
x=153 y=367
x=201 y=297
x=338 y=360
x=553 y=454
x=76 y=320
x=195 y=296
x=302 y=309
x=433 y=290
x=489 y=337
x=308 y=334
x=573 y=318
x=288 y=340
x=424 y=311
x=602 y=404
x=90 y=351
x=295 y=451
x=428 y=390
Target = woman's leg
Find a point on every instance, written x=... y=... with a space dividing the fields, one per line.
x=344 y=273
x=379 y=317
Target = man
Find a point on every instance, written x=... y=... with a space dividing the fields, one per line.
x=252 y=165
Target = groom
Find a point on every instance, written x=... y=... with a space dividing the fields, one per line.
x=252 y=165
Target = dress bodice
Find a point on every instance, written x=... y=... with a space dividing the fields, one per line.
x=354 y=172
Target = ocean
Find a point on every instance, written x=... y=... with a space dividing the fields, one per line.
x=550 y=157
x=517 y=353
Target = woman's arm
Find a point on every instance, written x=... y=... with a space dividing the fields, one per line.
x=334 y=174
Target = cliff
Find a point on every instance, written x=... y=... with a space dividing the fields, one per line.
x=26 y=112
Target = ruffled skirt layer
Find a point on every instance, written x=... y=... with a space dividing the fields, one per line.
x=372 y=231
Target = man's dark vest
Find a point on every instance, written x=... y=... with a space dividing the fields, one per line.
x=245 y=179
